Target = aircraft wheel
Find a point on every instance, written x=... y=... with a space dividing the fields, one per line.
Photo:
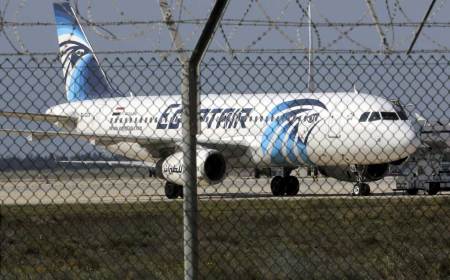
x=361 y=189
x=277 y=186
x=434 y=188
x=412 y=191
x=180 y=191
x=292 y=185
x=356 y=190
x=171 y=190
x=365 y=189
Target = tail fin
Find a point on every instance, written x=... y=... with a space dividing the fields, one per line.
x=83 y=76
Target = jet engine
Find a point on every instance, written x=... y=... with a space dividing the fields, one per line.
x=211 y=167
x=371 y=172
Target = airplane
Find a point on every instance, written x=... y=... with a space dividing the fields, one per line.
x=350 y=136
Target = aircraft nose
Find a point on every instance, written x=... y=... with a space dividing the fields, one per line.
x=406 y=140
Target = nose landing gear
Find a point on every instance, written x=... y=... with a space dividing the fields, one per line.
x=287 y=185
x=360 y=188
x=172 y=190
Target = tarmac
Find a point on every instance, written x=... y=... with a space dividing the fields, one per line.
x=127 y=190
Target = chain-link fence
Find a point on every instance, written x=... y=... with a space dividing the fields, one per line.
x=338 y=183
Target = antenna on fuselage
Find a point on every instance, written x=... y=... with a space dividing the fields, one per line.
x=355 y=90
x=310 y=51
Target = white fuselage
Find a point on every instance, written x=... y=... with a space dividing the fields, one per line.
x=280 y=129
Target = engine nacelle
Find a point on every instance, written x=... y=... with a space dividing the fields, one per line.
x=371 y=172
x=211 y=167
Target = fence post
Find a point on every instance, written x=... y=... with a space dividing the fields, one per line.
x=190 y=103
x=188 y=147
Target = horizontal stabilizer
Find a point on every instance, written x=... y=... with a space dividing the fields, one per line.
x=40 y=117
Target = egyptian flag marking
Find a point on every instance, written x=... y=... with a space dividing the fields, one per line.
x=118 y=111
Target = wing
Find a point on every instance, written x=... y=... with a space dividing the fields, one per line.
x=93 y=138
x=229 y=147
x=110 y=163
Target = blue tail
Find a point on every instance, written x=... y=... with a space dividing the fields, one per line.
x=83 y=76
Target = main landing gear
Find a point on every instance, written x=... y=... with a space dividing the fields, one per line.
x=172 y=190
x=360 y=188
x=287 y=185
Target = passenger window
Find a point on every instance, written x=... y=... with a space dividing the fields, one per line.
x=364 y=117
x=375 y=116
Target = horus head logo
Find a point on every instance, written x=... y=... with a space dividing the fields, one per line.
x=286 y=136
x=72 y=52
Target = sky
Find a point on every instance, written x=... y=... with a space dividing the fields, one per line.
x=39 y=84
x=41 y=38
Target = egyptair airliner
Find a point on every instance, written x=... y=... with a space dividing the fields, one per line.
x=350 y=136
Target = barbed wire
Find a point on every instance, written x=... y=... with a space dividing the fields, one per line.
x=248 y=51
x=235 y=22
x=292 y=32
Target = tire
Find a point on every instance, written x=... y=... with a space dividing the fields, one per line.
x=361 y=189
x=434 y=188
x=292 y=185
x=365 y=189
x=356 y=189
x=171 y=190
x=179 y=191
x=277 y=186
x=412 y=191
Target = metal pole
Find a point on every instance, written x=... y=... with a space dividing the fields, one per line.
x=176 y=38
x=377 y=25
x=188 y=147
x=190 y=104
x=310 y=51
x=421 y=26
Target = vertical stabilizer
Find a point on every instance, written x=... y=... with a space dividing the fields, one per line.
x=83 y=75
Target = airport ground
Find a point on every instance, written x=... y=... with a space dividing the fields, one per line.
x=130 y=185
x=116 y=223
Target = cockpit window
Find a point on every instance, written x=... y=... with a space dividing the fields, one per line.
x=364 y=117
x=375 y=116
x=401 y=113
x=390 y=116
x=399 y=109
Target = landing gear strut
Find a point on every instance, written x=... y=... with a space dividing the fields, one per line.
x=360 y=188
x=173 y=191
x=287 y=185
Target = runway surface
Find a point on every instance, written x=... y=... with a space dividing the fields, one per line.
x=129 y=189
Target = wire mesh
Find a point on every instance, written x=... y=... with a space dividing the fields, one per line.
x=329 y=184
